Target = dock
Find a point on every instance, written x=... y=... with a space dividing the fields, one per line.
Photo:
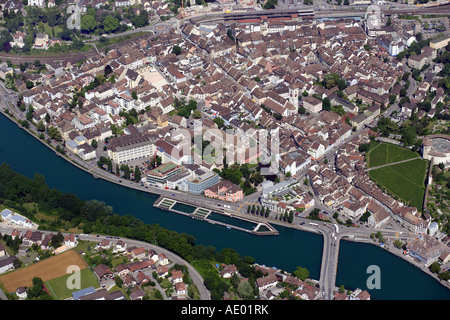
x=203 y=213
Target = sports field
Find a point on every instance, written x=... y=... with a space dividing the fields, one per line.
x=385 y=153
x=59 y=289
x=47 y=269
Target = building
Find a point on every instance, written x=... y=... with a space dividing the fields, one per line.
x=18 y=38
x=440 y=42
x=7 y=264
x=426 y=249
x=41 y=41
x=312 y=104
x=5 y=70
x=201 y=182
x=103 y=294
x=425 y=57
x=225 y=190
x=266 y=282
x=161 y=174
x=130 y=146
x=437 y=146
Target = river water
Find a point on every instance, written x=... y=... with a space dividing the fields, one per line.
x=291 y=248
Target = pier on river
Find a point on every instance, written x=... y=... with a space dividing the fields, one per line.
x=204 y=213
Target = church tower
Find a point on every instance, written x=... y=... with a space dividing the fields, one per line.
x=293 y=95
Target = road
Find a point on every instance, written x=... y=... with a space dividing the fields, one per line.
x=197 y=279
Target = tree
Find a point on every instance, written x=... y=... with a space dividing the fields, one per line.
x=88 y=23
x=219 y=121
x=196 y=114
x=94 y=144
x=291 y=216
x=176 y=50
x=267 y=212
x=326 y=104
x=245 y=290
x=40 y=126
x=53 y=132
x=435 y=267
x=409 y=136
x=57 y=240
x=301 y=273
x=137 y=174
x=110 y=24
x=119 y=282
x=301 y=110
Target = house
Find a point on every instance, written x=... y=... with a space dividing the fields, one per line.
x=122 y=270
x=312 y=104
x=21 y=292
x=70 y=240
x=120 y=246
x=45 y=245
x=142 y=278
x=225 y=190
x=228 y=270
x=177 y=276
x=86 y=152
x=105 y=244
x=18 y=38
x=180 y=288
x=5 y=70
x=41 y=41
x=162 y=271
x=129 y=280
x=36 y=238
x=137 y=294
x=7 y=264
x=266 y=282
x=163 y=259
x=138 y=253
x=102 y=272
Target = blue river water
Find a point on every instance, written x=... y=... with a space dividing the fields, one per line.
x=291 y=248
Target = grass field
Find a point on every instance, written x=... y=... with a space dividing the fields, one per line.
x=47 y=269
x=59 y=290
x=385 y=153
x=404 y=180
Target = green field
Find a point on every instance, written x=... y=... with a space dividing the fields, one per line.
x=58 y=287
x=405 y=180
x=385 y=153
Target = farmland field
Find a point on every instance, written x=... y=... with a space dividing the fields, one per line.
x=47 y=269
x=404 y=180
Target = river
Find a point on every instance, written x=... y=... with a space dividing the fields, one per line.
x=291 y=248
